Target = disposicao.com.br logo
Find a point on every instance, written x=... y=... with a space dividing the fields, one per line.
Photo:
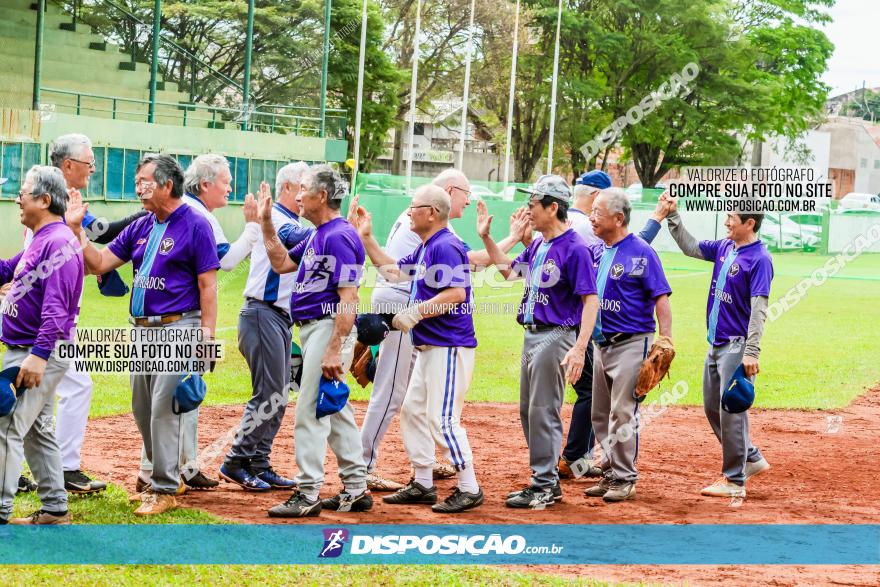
x=450 y=544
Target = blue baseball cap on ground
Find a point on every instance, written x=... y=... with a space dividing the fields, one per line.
x=189 y=393
x=111 y=284
x=8 y=391
x=595 y=178
x=332 y=395
x=740 y=393
x=373 y=328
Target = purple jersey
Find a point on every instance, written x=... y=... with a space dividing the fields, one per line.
x=332 y=257
x=441 y=263
x=168 y=258
x=557 y=273
x=47 y=279
x=629 y=278
x=737 y=277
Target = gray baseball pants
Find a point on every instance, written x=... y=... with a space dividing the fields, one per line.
x=732 y=430
x=312 y=435
x=264 y=341
x=615 y=411
x=162 y=430
x=541 y=393
x=28 y=432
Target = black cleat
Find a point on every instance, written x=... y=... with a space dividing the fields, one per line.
x=26 y=485
x=413 y=493
x=79 y=483
x=459 y=501
x=296 y=506
x=535 y=498
x=344 y=502
x=201 y=482
x=556 y=491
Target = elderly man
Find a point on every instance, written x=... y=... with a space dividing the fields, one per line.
x=631 y=287
x=73 y=155
x=396 y=354
x=39 y=311
x=264 y=336
x=175 y=260
x=558 y=311
x=439 y=318
x=207 y=184
x=735 y=315
x=328 y=266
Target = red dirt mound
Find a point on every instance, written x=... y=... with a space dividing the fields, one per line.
x=822 y=472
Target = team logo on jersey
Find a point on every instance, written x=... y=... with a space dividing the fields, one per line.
x=19 y=268
x=421 y=270
x=638 y=266
x=141 y=241
x=734 y=269
x=616 y=271
x=310 y=254
x=550 y=267
x=166 y=245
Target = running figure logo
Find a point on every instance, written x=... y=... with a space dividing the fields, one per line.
x=334 y=540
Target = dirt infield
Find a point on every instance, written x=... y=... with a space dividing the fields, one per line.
x=823 y=469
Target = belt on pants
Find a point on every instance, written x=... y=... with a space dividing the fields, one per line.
x=546 y=327
x=302 y=323
x=164 y=319
x=615 y=337
x=271 y=306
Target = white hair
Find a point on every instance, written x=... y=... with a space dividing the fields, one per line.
x=49 y=180
x=290 y=173
x=434 y=196
x=448 y=176
x=68 y=147
x=617 y=203
x=203 y=168
x=582 y=191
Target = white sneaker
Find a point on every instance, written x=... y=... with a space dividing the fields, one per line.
x=724 y=488
x=757 y=467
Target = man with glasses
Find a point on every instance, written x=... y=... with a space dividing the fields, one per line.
x=396 y=353
x=174 y=256
x=438 y=316
x=73 y=155
x=39 y=311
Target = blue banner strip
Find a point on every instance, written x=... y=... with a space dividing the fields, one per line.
x=444 y=544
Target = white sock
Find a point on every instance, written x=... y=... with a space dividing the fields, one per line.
x=355 y=492
x=425 y=476
x=467 y=480
x=312 y=495
x=145 y=476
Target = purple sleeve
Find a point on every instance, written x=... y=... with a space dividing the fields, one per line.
x=349 y=260
x=204 y=249
x=7 y=268
x=61 y=291
x=121 y=246
x=523 y=260
x=448 y=267
x=581 y=274
x=760 y=277
x=710 y=249
x=654 y=281
x=296 y=253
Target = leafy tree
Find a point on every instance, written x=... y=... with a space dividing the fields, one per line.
x=866 y=106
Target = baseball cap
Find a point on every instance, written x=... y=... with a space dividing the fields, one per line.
x=8 y=391
x=341 y=191
x=549 y=185
x=595 y=178
x=332 y=395
x=740 y=393
x=189 y=393
x=111 y=284
x=373 y=328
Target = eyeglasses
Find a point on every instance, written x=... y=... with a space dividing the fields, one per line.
x=91 y=163
x=422 y=206
x=143 y=184
x=467 y=193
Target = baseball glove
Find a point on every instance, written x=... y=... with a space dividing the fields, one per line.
x=362 y=357
x=655 y=367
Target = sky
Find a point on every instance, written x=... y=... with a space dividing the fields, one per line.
x=856 y=56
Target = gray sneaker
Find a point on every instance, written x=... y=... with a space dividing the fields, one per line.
x=556 y=491
x=756 y=468
x=413 y=493
x=534 y=498
x=620 y=491
x=600 y=489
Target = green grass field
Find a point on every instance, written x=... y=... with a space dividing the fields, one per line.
x=819 y=355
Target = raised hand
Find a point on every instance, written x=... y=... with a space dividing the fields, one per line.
x=364 y=222
x=484 y=222
x=352 y=210
x=264 y=206
x=250 y=209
